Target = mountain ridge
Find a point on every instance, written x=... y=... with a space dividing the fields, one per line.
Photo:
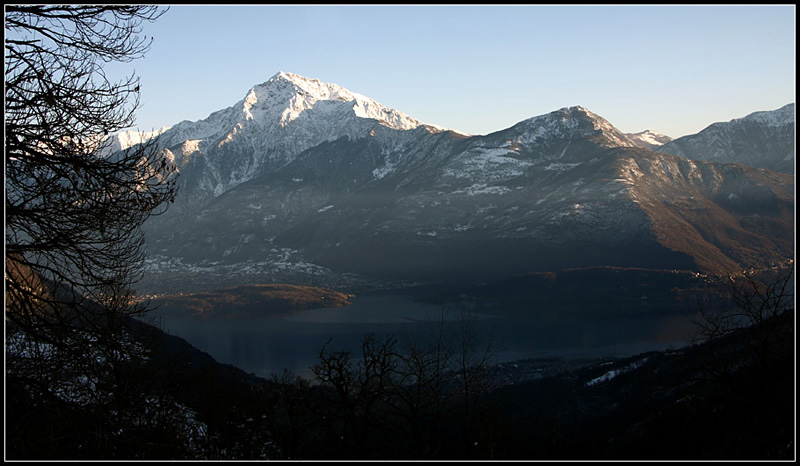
x=332 y=194
x=763 y=139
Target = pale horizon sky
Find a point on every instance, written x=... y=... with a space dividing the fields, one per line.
x=674 y=69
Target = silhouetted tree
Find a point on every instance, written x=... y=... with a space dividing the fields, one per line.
x=292 y=410
x=74 y=244
x=419 y=400
x=759 y=313
x=361 y=385
x=746 y=387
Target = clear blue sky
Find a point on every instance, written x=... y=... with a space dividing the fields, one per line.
x=478 y=69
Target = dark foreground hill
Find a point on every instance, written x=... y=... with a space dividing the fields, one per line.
x=730 y=397
x=704 y=402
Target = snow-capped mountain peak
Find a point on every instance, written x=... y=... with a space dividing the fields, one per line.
x=124 y=139
x=282 y=100
x=274 y=122
x=649 y=139
x=286 y=96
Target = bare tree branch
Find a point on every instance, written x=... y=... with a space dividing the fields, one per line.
x=74 y=212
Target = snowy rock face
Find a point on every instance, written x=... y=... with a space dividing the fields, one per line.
x=761 y=139
x=307 y=182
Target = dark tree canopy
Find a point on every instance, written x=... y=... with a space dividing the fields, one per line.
x=74 y=213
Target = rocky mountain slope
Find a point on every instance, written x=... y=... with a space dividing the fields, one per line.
x=310 y=183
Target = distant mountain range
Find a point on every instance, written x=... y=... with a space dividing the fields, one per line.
x=309 y=183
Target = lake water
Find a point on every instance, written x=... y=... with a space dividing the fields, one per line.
x=263 y=346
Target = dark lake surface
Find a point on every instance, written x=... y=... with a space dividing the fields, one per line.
x=267 y=345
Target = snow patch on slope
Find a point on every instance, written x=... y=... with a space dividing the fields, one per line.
x=485 y=165
x=615 y=372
